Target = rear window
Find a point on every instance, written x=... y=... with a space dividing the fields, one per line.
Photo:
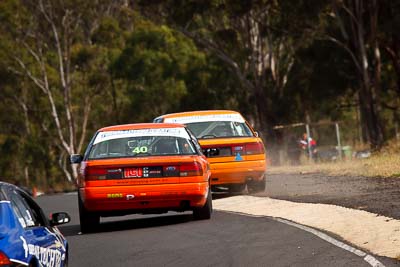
x=141 y=143
x=218 y=129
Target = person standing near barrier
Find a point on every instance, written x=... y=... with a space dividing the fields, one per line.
x=309 y=144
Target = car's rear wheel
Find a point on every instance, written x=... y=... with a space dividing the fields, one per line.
x=256 y=186
x=89 y=221
x=204 y=213
x=237 y=188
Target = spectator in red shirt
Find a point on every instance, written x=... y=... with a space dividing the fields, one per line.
x=304 y=143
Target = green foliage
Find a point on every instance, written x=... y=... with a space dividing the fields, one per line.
x=131 y=63
x=157 y=62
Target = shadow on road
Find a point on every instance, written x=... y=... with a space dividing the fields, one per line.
x=137 y=223
x=219 y=195
x=122 y=225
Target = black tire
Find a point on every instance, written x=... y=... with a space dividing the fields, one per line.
x=237 y=188
x=89 y=221
x=256 y=186
x=66 y=259
x=204 y=213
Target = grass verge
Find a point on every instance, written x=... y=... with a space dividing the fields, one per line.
x=379 y=165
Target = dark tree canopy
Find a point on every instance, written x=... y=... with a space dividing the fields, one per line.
x=70 y=67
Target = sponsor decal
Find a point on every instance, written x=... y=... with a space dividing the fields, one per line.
x=25 y=246
x=174 y=132
x=133 y=172
x=238 y=157
x=130 y=197
x=152 y=172
x=238 y=148
x=204 y=118
x=115 y=195
x=46 y=256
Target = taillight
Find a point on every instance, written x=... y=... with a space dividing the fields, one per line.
x=93 y=173
x=254 y=148
x=4 y=260
x=191 y=169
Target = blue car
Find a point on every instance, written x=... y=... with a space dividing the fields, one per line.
x=27 y=237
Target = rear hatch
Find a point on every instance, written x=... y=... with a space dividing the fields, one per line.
x=141 y=171
x=220 y=150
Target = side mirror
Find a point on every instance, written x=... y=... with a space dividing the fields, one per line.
x=59 y=218
x=256 y=134
x=75 y=158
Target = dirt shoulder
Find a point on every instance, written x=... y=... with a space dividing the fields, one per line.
x=376 y=195
x=365 y=211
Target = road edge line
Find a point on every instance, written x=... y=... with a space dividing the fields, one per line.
x=371 y=260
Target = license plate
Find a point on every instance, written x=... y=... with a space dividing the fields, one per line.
x=133 y=172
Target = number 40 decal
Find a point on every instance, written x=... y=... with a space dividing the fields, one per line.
x=140 y=149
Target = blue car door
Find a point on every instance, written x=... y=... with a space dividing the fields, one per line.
x=39 y=241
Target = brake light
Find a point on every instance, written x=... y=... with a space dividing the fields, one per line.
x=93 y=173
x=4 y=260
x=191 y=169
x=254 y=148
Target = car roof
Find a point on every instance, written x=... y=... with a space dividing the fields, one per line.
x=136 y=126
x=3 y=185
x=6 y=184
x=199 y=112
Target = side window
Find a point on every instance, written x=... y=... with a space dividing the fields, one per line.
x=194 y=140
x=89 y=147
x=27 y=214
x=18 y=213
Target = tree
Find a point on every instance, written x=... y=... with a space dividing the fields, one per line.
x=253 y=38
x=50 y=43
x=358 y=22
x=157 y=63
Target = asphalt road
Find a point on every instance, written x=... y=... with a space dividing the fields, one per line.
x=176 y=240
x=373 y=194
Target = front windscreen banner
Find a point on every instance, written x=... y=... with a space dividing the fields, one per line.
x=204 y=118
x=172 y=132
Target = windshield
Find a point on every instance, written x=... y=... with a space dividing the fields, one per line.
x=217 y=129
x=116 y=145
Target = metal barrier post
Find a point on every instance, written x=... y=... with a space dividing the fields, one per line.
x=338 y=140
x=308 y=142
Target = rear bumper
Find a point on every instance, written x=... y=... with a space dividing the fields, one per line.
x=111 y=199
x=237 y=172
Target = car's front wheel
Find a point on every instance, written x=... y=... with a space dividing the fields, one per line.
x=89 y=221
x=204 y=213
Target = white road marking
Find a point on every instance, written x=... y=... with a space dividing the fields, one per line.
x=368 y=258
x=373 y=233
x=372 y=261
x=19 y=262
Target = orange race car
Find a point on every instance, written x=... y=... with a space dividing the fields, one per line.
x=142 y=168
x=234 y=150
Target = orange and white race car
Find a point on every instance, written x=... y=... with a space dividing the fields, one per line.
x=142 y=168
x=234 y=150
